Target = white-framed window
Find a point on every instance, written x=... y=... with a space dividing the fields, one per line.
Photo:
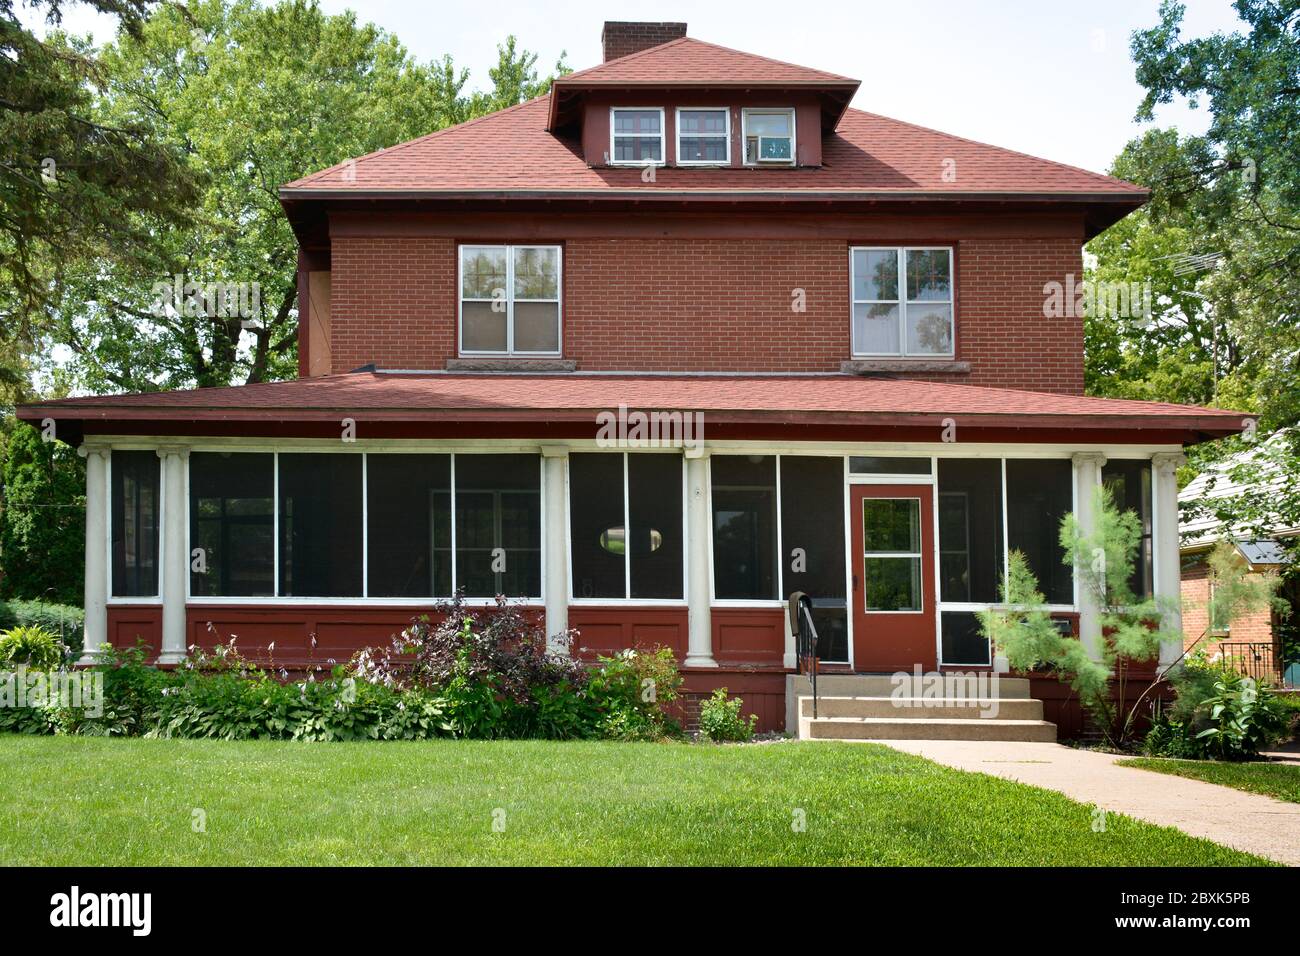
x=510 y=300
x=902 y=301
x=769 y=137
x=636 y=136
x=703 y=136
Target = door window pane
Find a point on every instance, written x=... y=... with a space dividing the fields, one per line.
x=970 y=529
x=891 y=542
x=320 y=525
x=1040 y=493
x=232 y=524
x=408 y=507
x=891 y=525
x=892 y=584
x=812 y=538
x=744 y=526
x=498 y=525
x=135 y=523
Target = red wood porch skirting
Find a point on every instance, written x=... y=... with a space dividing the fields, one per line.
x=747 y=643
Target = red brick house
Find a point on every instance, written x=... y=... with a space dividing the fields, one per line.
x=837 y=325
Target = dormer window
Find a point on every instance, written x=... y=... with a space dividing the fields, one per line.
x=769 y=137
x=636 y=136
x=704 y=137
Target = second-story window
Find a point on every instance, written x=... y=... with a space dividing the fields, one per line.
x=703 y=137
x=908 y=316
x=510 y=300
x=637 y=136
x=769 y=137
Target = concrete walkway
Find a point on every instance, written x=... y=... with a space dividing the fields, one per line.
x=1245 y=821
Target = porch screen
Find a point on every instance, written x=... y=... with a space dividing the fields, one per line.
x=135 y=523
x=970 y=530
x=812 y=541
x=1039 y=494
x=596 y=522
x=744 y=526
x=320 y=525
x=608 y=560
x=232 y=524
x=654 y=504
x=1129 y=481
x=408 y=510
x=499 y=525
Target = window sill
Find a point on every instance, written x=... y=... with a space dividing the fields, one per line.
x=508 y=364
x=869 y=366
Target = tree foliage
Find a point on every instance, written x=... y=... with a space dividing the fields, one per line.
x=1132 y=629
x=252 y=97
x=1220 y=239
x=74 y=184
x=42 y=527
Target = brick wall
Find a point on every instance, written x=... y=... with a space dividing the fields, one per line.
x=711 y=304
x=393 y=302
x=620 y=38
x=1255 y=627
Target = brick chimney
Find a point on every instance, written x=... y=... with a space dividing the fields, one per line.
x=620 y=38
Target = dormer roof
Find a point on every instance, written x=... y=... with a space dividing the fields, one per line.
x=690 y=64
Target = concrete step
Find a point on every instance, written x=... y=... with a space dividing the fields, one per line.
x=893 y=728
x=883 y=685
x=916 y=708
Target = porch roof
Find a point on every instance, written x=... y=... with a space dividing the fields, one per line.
x=576 y=398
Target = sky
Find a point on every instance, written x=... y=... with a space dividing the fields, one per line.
x=1051 y=78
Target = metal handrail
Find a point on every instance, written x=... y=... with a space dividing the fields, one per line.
x=805 y=635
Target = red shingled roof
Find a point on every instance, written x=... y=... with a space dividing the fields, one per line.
x=512 y=151
x=830 y=399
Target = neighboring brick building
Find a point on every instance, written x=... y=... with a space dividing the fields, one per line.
x=858 y=311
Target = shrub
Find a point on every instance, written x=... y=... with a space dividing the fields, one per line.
x=1243 y=719
x=491 y=669
x=1217 y=714
x=720 y=718
x=64 y=621
x=30 y=645
x=630 y=694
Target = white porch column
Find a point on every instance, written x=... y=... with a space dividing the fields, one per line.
x=555 y=589
x=700 y=633
x=1087 y=478
x=175 y=559
x=96 y=589
x=1164 y=535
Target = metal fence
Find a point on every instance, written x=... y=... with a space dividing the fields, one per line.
x=1254 y=659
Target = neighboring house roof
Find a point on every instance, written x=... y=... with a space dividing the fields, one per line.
x=1216 y=482
x=868 y=156
x=1263 y=553
x=575 y=397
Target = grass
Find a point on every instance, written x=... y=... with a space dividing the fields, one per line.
x=85 y=801
x=1278 y=780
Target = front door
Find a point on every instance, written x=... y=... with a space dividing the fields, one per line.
x=893 y=577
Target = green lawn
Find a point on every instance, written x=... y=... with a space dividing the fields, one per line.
x=1278 y=780
x=97 y=801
